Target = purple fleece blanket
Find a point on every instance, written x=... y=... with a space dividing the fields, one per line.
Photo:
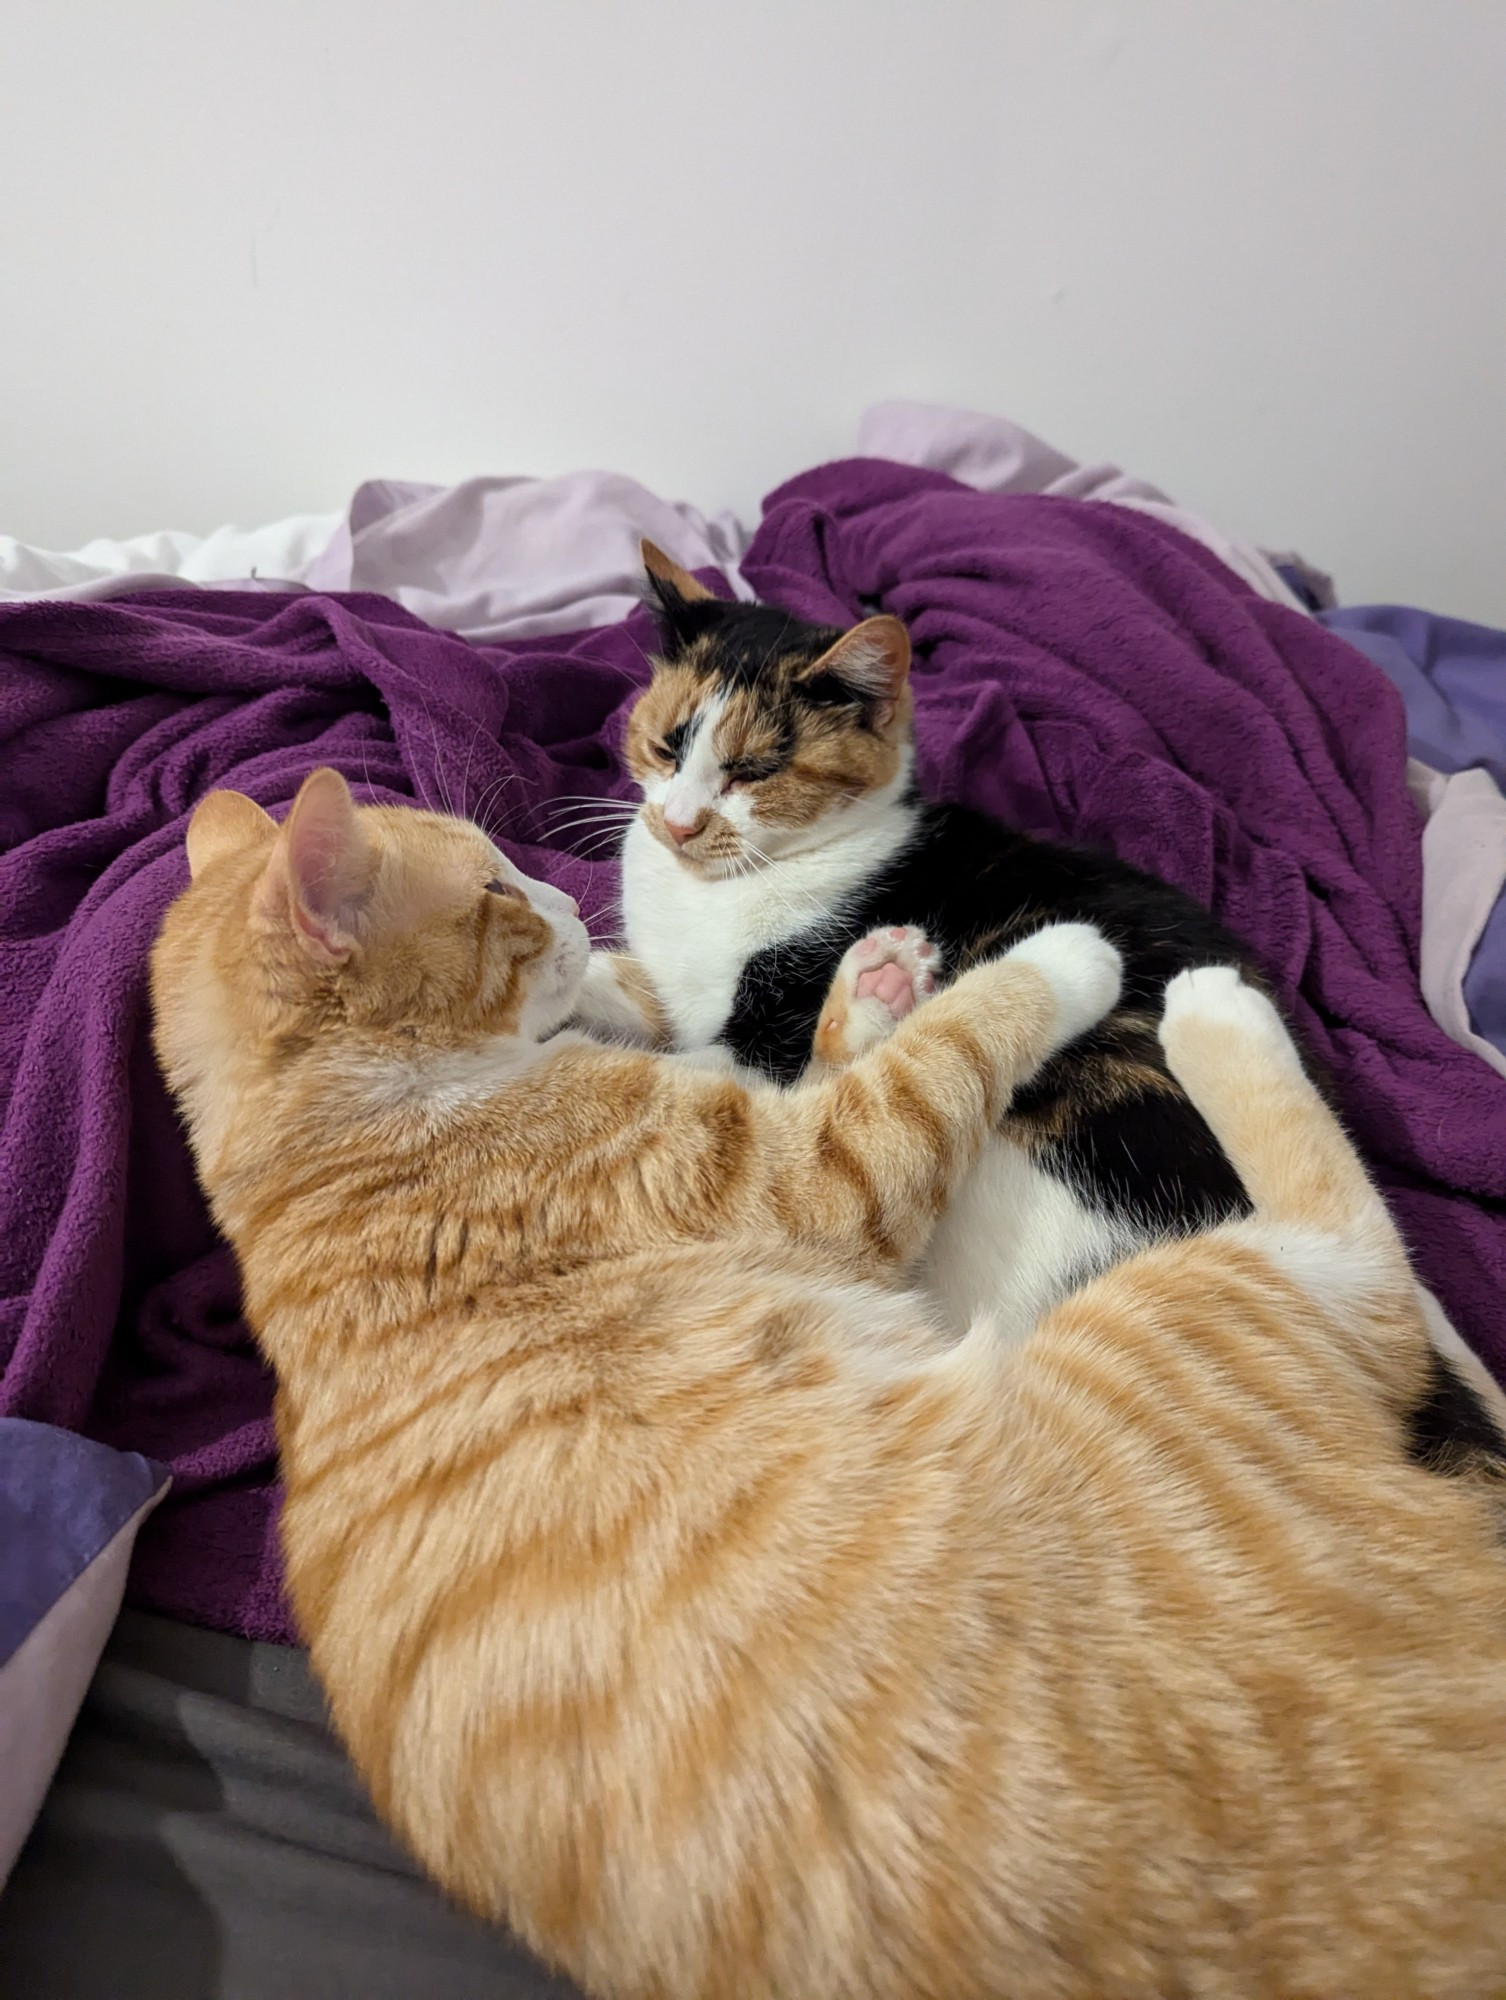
x=1083 y=671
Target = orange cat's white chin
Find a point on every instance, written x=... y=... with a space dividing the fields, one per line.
x=558 y=980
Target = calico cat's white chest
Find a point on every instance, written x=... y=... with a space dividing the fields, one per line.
x=693 y=937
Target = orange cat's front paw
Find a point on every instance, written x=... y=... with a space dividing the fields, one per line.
x=883 y=977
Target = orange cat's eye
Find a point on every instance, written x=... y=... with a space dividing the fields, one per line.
x=496 y=888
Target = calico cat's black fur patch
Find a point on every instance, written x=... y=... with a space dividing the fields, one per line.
x=749 y=638
x=1450 y=1430
x=1105 y=1113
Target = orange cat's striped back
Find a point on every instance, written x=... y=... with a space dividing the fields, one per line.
x=691 y=1605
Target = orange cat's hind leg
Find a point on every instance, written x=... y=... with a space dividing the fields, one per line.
x=1229 y=1049
x=1318 y=1219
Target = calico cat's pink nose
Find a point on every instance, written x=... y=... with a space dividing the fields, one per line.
x=682 y=830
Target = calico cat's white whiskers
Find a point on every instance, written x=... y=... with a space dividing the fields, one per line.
x=566 y=813
x=589 y=820
x=595 y=848
x=592 y=799
x=569 y=813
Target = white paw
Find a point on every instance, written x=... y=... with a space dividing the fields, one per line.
x=883 y=977
x=1223 y=999
x=1221 y=994
x=1085 y=971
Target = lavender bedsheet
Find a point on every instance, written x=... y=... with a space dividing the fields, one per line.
x=1083 y=670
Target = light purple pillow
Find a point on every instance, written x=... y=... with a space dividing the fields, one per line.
x=69 y=1511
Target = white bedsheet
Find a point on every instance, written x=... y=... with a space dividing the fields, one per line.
x=276 y=555
x=511 y=556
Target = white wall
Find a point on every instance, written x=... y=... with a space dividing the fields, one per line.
x=252 y=253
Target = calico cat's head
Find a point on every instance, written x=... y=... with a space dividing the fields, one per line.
x=368 y=931
x=759 y=734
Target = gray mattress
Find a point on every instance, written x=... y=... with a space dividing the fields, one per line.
x=207 y=1839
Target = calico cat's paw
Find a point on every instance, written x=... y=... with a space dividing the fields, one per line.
x=883 y=977
x=1085 y=971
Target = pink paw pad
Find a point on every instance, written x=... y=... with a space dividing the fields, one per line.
x=895 y=969
x=892 y=985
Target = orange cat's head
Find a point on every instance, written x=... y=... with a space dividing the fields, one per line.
x=373 y=933
x=762 y=736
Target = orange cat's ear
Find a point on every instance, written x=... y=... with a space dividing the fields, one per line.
x=225 y=823
x=320 y=869
x=667 y=577
x=871 y=661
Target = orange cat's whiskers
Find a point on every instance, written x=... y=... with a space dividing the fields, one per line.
x=481 y=813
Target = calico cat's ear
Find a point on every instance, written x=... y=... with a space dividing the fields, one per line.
x=225 y=823
x=320 y=869
x=683 y=603
x=665 y=574
x=869 y=662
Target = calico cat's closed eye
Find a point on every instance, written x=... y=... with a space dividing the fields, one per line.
x=496 y=887
x=670 y=747
x=749 y=770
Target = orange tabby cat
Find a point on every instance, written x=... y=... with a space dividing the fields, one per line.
x=686 y=1602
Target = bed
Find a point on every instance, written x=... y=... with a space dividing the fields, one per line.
x=1093 y=663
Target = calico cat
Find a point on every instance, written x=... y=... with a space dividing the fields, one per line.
x=687 y=1601
x=781 y=821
